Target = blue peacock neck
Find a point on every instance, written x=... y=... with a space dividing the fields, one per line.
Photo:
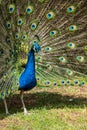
x=27 y=79
x=30 y=66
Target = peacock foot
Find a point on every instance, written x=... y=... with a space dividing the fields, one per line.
x=26 y=112
x=7 y=113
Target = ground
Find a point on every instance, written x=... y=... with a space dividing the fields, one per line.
x=58 y=108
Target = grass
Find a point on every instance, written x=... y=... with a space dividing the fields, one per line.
x=63 y=108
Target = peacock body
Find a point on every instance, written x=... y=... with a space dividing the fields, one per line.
x=28 y=80
x=56 y=27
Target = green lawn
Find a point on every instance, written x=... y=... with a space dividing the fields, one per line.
x=63 y=108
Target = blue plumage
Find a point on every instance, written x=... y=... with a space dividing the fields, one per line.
x=28 y=79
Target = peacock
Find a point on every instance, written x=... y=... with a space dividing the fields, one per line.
x=42 y=43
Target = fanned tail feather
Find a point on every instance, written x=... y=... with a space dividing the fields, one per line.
x=62 y=29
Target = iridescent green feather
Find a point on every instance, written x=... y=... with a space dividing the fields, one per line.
x=61 y=30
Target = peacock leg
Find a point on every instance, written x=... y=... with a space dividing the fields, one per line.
x=6 y=108
x=25 y=110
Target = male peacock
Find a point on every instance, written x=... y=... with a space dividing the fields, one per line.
x=56 y=27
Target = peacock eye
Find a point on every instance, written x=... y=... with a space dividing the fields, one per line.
x=2 y=94
x=8 y=24
x=50 y=15
x=80 y=58
x=39 y=58
x=17 y=84
x=62 y=59
x=29 y=9
x=69 y=72
x=38 y=79
x=48 y=82
x=45 y=83
x=49 y=66
x=71 y=9
x=62 y=82
x=24 y=37
x=76 y=82
x=73 y=28
x=82 y=83
x=33 y=26
x=55 y=84
x=53 y=33
x=11 y=8
x=48 y=49
x=8 y=40
x=19 y=22
x=68 y=82
x=17 y=36
x=71 y=45
x=4 y=74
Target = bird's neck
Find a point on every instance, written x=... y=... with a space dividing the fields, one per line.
x=30 y=67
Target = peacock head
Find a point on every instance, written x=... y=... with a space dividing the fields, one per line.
x=36 y=46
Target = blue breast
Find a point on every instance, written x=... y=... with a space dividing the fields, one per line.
x=27 y=79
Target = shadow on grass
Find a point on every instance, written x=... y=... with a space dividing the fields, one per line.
x=39 y=100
